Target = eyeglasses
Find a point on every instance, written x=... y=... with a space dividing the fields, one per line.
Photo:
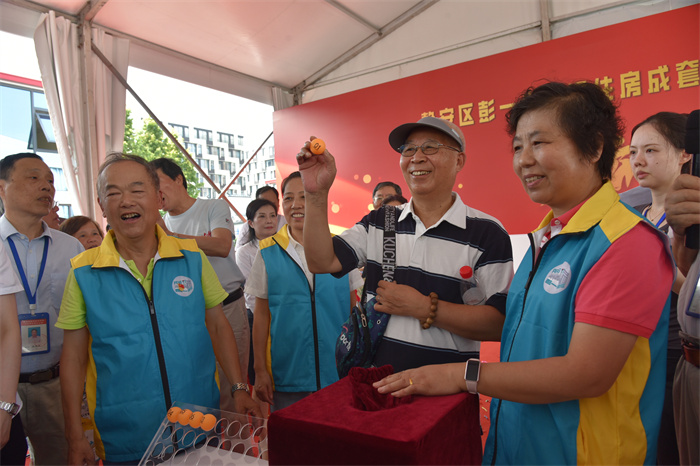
x=428 y=148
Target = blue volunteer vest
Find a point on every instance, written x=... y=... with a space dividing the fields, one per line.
x=304 y=324
x=618 y=427
x=128 y=390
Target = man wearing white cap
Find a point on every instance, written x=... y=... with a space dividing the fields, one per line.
x=436 y=235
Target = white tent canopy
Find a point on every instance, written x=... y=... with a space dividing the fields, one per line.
x=273 y=51
x=278 y=52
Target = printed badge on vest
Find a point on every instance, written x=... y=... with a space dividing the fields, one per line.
x=183 y=286
x=558 y=278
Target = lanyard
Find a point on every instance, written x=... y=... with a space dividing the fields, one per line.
x=30 y=297
x=661 y=220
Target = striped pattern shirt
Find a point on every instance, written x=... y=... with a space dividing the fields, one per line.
x=429 y=259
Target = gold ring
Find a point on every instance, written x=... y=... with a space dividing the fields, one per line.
x=410 y=381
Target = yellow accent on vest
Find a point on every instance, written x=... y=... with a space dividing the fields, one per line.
x=602 y=208
x=618 y=222
x=281 y=238
x=601 y=418
x=106 y=255
x=90 y=384
x=268 y=354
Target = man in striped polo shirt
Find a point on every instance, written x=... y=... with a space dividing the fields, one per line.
x=436 y=235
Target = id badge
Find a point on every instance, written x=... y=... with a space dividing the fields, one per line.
x=693 y=309
x=34 y=329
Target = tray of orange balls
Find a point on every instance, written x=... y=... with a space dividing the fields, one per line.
x=196 y=435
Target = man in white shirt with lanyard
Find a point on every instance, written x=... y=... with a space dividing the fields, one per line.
x=41 y=258
x=208 y=221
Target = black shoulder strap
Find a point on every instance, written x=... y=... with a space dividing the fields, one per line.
x=389 y=244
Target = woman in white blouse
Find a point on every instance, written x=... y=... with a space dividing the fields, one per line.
x=262 y=223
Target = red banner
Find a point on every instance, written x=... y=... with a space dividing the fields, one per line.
x=648 y=65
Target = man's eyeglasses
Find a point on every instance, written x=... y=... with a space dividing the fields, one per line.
x=428 y=148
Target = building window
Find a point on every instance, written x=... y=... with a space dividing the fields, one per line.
x=65 y=210
x=24 y=121
x=45 y=139
x=203 y=134
x=181 y=130
x=192 y=148
x=59 y=179
x=226 y=138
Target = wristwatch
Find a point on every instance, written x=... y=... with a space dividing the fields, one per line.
x=239 y=386
x=471 y=374
x=12 y=408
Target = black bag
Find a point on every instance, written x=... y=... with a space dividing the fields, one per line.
x=363 y=331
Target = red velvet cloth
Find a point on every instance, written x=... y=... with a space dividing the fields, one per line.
x=327 y=427
x=365 y=397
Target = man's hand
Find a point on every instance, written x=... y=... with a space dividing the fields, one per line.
x=80 y=452
x=5 y=423
x=402 y=300
x=682 y=210
x=263 y=386
x=317 y=171
x=683 y=203
x=244 y=404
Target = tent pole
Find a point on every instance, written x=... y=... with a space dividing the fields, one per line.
x=233 y=180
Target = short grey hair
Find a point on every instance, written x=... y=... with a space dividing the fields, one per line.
x=116 y=157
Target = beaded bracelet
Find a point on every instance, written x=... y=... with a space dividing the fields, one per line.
x=433 y=311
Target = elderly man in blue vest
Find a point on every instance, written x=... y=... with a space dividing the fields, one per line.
x=143 y=320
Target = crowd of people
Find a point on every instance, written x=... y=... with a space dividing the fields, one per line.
x=598 y=327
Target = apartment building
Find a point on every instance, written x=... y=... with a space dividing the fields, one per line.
x=222 y=155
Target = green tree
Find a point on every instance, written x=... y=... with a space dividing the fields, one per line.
x=151 y=143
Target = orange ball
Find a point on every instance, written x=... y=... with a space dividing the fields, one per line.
x=208 y=422
x=317 y=146
x=196 y=419
x=184 y=417
x=174 y=414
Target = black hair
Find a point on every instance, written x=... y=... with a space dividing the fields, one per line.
x=289 y=178
x=379 y=186
x=585 y=114
x=672 y=127
x=397 y=197
x=8 y=163
x=250 y=212
x=169 y=168
x=116 y=157
x=264 y=189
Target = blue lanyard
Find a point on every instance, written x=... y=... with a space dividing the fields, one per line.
x=661 y=220
x=30 y=297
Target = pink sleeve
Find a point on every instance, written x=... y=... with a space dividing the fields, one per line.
x=627 y=288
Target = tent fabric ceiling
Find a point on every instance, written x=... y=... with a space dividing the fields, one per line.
x=319 y=48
